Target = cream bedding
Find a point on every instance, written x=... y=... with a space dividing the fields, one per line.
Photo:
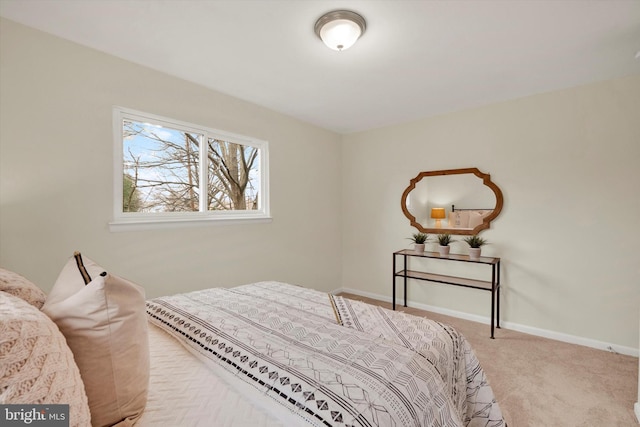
x=184 y=392
x=310 y=359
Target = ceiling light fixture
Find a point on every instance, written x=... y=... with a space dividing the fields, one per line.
x=340 y=29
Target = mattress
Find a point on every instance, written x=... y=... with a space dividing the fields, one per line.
x=184 y=392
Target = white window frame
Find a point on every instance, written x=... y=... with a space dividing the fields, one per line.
x=123 y=221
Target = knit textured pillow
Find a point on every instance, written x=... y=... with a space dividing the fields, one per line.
x=103 y=318
x=19 y=286
x=36 y=366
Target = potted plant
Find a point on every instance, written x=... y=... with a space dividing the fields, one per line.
x=444 y=240
x=418 y=240
x=475 y=243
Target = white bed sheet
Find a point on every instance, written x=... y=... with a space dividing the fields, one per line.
x=183 y=392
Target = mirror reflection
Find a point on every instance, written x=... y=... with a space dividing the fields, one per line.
x=455 y=201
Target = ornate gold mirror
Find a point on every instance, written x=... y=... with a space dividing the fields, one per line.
x=454 y=201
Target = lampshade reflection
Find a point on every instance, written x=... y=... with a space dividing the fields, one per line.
x=438 y=214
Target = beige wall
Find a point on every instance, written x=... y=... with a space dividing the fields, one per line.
x=568 y=165
x=56 y=151
x=574 y=153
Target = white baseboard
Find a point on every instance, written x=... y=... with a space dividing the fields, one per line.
x=636 y=407
x=558 y=336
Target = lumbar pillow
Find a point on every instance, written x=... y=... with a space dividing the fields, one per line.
x=103 y=318
x=21 y=287
x=36 y=366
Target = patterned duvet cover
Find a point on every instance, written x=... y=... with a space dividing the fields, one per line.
x=329 y=361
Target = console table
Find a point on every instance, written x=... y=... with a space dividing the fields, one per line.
x=492 y=286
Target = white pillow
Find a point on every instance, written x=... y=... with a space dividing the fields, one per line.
x=36 y=366
x=106 y=328
x=476 y=217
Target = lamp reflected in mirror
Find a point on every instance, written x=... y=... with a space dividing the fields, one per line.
x=438 y=214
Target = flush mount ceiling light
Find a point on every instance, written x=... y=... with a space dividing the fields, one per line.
x=340 y=29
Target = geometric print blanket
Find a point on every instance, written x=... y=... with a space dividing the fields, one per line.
x=329 y=361
x=444 y=347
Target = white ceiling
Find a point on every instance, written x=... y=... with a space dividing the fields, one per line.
x=416 y=59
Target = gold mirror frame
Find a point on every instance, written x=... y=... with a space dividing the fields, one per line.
x=486 y=180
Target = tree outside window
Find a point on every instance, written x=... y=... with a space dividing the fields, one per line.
x=173 y=168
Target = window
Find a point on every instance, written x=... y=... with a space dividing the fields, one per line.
x=167 y=171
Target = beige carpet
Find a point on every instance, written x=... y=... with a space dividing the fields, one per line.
x=545 y=383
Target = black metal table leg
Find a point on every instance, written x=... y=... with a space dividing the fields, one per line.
x=498 y=296
x=405 y=280
x=394 y=282
x=493 y=297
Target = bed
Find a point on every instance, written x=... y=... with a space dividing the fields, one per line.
x=264 y=354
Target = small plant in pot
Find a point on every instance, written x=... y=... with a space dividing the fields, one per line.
x=419 y=240
x=443 y=241
x=475 y=245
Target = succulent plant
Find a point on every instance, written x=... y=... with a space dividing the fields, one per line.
x=445 y=239
x=419 y=238
x=475 y=241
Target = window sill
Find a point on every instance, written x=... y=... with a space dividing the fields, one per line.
x=139 y=224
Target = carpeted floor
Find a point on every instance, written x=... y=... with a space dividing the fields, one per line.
x=540 y=382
